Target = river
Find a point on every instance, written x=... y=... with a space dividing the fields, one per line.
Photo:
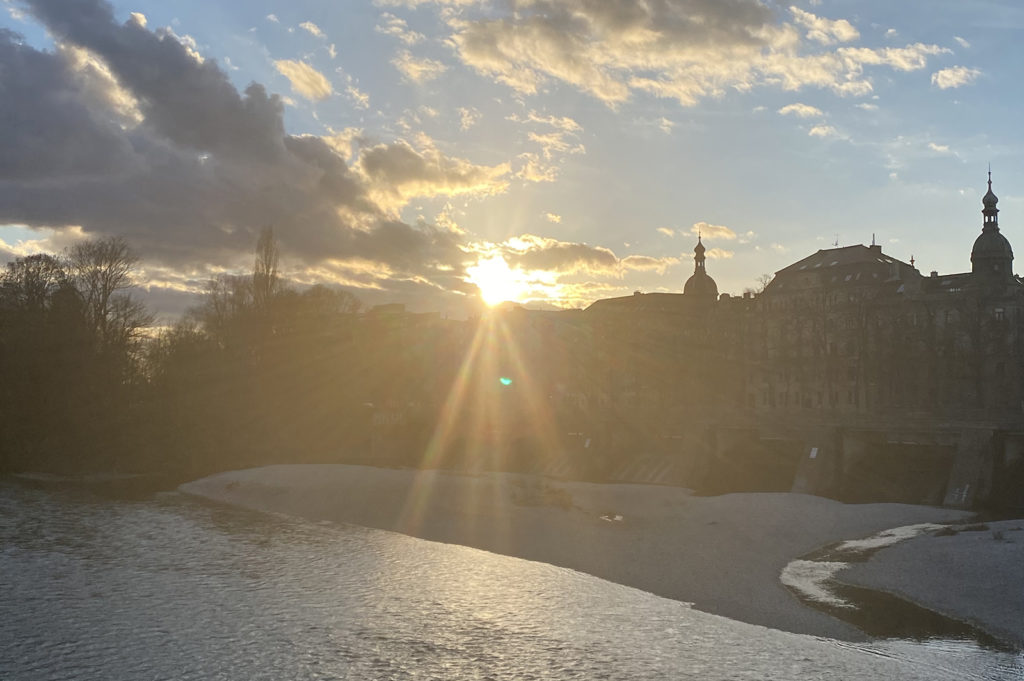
x=175 y=588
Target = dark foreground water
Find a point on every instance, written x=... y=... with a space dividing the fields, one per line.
x=173 y=588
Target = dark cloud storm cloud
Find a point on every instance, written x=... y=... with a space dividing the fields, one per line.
x=165 y=151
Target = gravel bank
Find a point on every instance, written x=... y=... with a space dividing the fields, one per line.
x=723 y=554
x=975 y=576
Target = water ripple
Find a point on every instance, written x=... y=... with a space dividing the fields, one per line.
x=177 y=589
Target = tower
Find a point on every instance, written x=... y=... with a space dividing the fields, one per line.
x=991 y=256
x=700 y=286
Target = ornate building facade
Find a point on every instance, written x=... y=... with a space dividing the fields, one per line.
x=851 y=374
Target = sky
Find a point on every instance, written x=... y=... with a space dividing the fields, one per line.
x=446 y=153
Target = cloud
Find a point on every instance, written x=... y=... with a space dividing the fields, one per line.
x=553 y=217
x=360 y=99
x=413 y=4
x=533 y=169
x=646 y=263
x=823 y=131
x=563 y=123
x=686 y=50
x=709 y=231
x=801 y=110
x=272 y=18
x=468 y=117
x=667 y=231
x=417 y=69
x=50 y=241
x=555 y=142
x=305 y=80
x=122 y=131
x=960 y=41
x=939 y=148
x=719 y=254
x=398 y=172
x=561 y=138
x=530 y=252
x=825 y=31
x=312 y=28
x=398 y=28
x=954 y=77
x=866 y=106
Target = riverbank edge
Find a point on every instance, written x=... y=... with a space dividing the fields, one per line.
x=958 y=574
x=722 y=554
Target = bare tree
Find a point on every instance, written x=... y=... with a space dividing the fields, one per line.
x=29 y=283
x=101 y=269
x=265 y=281
x=228 y=299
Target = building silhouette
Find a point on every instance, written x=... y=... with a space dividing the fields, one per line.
x=851 y=375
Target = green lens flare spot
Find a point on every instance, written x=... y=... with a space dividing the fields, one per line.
x=505 y=381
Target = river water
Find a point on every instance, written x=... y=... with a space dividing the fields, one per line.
x=175 y=588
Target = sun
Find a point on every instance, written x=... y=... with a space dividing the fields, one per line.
x=496 y=280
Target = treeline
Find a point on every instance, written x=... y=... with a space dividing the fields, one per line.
x=260 y=372
x=255 y=373
x=70 y=335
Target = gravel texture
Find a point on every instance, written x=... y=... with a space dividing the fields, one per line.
x=976 y=576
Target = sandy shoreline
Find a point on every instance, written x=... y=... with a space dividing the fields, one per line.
x=723 y=554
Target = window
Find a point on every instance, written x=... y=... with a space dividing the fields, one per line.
x=999 y=314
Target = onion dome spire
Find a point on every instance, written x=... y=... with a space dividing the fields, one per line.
x=992 y=255
x=990 y=211
x=700 y=287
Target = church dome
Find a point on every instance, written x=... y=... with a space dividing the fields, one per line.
x=991 y=255
x=991 y=244
x=701 y=287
